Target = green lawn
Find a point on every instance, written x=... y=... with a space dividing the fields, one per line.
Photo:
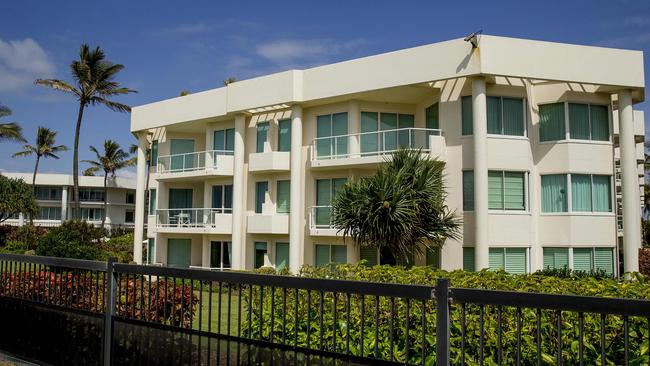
x=205 y=311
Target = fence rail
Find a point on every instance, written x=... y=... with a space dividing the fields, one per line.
x=363 y=321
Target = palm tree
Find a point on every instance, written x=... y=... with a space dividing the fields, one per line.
x=400 y=209
x=10 y=131
x=113 y=159
x=94 y=84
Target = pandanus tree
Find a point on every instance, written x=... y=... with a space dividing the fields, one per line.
x=110 y=161
x=94 y=84
x=401 y=208
x=10 y=131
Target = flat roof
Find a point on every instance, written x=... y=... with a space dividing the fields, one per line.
x=55 y=179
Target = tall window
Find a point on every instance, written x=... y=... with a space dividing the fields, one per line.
x=154 y=153
x=284 y=135
x=466 y=115
x=220 y=254
x=588 y=122
x=260 y=195
x=589 y=193
x=224 y=141
x=512 y=260
x=129 y=216
x=326 y=190
x=468 y=190
x=554 y=193
x=468 y=259
x=152 y=201
x=505 y=116
x=330 y=254
x=281 y=255
x=222 y=198
x=431 y=116
x=262 y=135
x=372 y=122
x=151 y=250
x=331 y=139
x=283 y=196
x=261 y=252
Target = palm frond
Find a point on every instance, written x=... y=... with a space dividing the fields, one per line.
x=58 y=85
x=11 y=132
x=114 y=106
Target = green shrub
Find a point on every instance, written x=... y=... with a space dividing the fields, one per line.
x=73 y=239
x=120 y=247
x=324 y=320
x=14 y=247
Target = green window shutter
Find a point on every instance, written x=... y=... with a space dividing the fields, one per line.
x=431 y=116
x=219 y=140
x=468 y=259
x=322 y=255
x=179 y=252
x=154 y=153
x=581 y=192
x=468 y=190
x=549 y=258
x=340 y=128
x=551 y=122
x=433 y=257
x=262 y=135
x=183 y=159
x=369 y=124
x=495 y=190
x=579 y=121
x=497 y=259
x=516 y=260
x=604 y=260
x=583 y=259
x=514 y=187
x=554 y=193
x=152 y=201
x=230 y=139
x=513 y=117
x=339 y=254
x=323 y=200
x=556 y=258
x=406 y=138
x=599 y=122
x=283 y=196
x=494 y=115
x=260 y=195
x=281 y=255
x=369 y=254
x=602 y=201
x=324 y=143
x=284 y=135
x=467 y=118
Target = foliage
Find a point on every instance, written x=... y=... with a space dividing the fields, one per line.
x=380 y=336
x=569 y=273
x=16 y=196
x=401 y=208
x=45 y=147
x=27 y=234
x=120 y=247
x=10 y=131
x=644 y=261
x=73 y=239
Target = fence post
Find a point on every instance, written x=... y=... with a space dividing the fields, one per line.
x=111 y=288
x=442 y=321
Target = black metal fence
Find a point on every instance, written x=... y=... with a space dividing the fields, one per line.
x=357 y=321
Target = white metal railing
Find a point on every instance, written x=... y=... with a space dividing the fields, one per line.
x=321 y=217
x=189 y=217
x=372 y=143
x=188 y=162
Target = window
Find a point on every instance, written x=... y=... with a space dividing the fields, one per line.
x=593 y=259
x=260 y=195
x=554 y=193
x=283 y=196
x=431 y=116
x=91 y=214
x=49 y=213
x=262 y=135
x=281 y=255
x=220 y=254
x=151 y=250
x=154 y=153
x=505 y=116
x=468 y=259
x=91 y=195
x=589 y=193
x=468 y=190
x=331 y=139
x=45 y=193
x=326 y=190
x=588 y=122
x=130 y=198
x=556 y=258
x=224 y=141
x=152 y=201
x=512 y=260
x=222 y=198
x=330 y=254
x=506 y=191
x=129 y=217
x=370 y=255
x=386 y=141
x=260 y=254
x=183 y=157
x=284 y=135
x=467 y=118
x=552 y=125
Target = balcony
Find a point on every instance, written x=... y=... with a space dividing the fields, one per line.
x=194 y=220
x=362 y=149
x=195 y=164
x=268 y=224
x=320 y=222
x=268 y=162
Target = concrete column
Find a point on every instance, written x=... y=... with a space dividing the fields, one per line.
x=630 y=184
x=141 y=174
x=64 y=204
x=479 y=123
x=354 y=127
x=296 y=226
x=238 y=192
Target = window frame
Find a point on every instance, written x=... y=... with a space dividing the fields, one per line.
x=257 y=195
x=221 y=244
x=569 y=197
x=526 y=192
x=260 y=148
x=567 y=124
x=592 y=250
x=330 y=247
x=504 y=251
x=496 y=135
x=277 y=196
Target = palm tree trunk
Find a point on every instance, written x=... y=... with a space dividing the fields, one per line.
x=38 y=158
x=105 y=200
x=75 y=163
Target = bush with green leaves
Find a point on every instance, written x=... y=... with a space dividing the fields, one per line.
x=16 y=197
x=73 y=239
x=394 y=313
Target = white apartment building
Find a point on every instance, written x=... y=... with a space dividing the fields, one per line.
x=56 y=202
x=542 y=148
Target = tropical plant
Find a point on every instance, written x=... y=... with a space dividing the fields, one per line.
x=112 y=160
x=400 y=208
x=16 y=197
x=10 y=131
x=95 y=84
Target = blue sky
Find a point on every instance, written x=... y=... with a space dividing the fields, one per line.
x=194 y=45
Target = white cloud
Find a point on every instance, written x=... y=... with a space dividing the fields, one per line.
x=293 y=52
x=21 y=62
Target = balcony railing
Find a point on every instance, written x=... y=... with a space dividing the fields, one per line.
x=372 y=143
x=188 y=162
x=189 y=217
x=321 y=217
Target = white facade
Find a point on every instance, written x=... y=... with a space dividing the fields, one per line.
x=56 y=202
x=538 y=127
